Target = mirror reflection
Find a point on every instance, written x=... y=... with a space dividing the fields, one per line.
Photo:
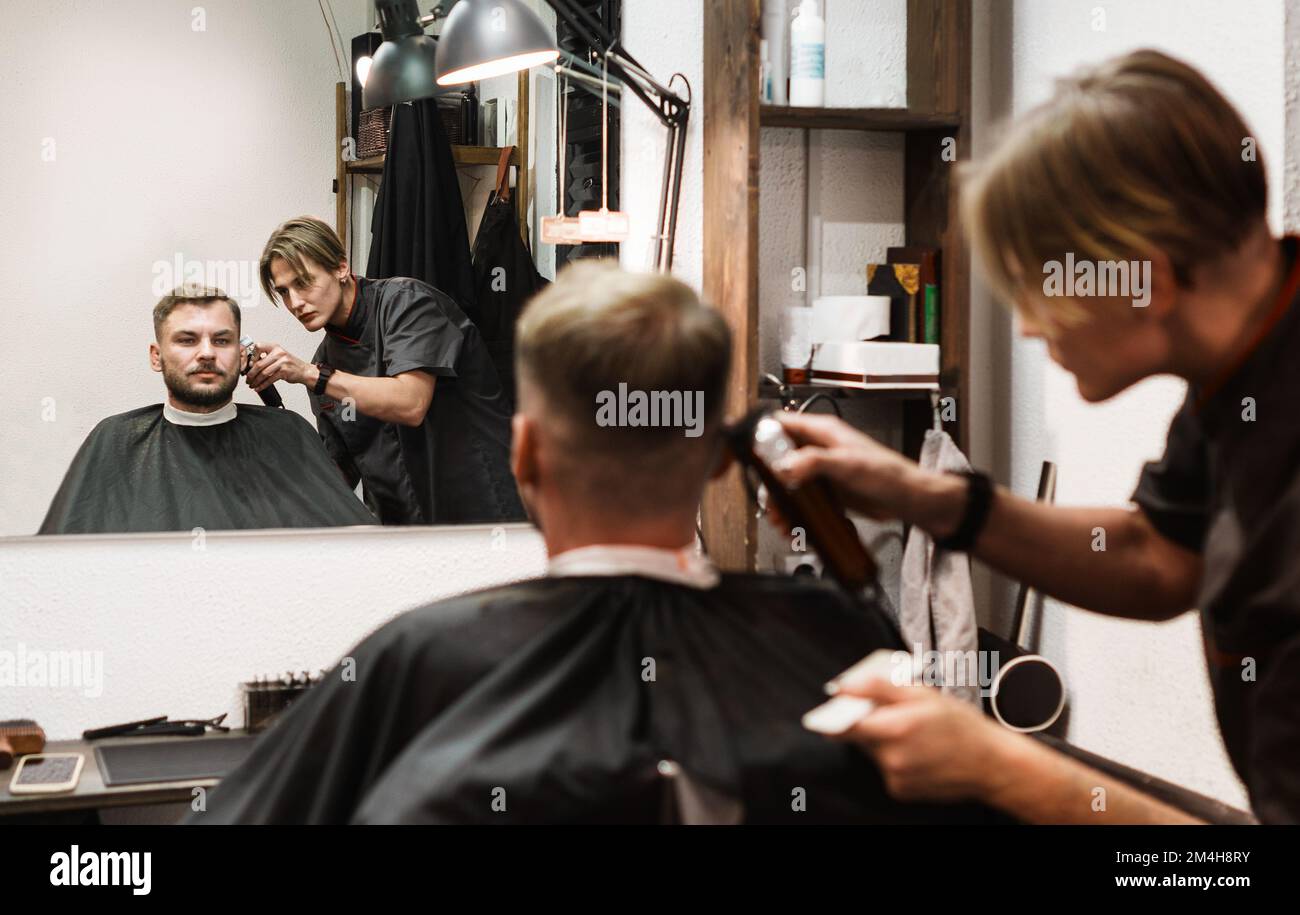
x=249 y=299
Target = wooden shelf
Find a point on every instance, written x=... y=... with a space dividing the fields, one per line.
x=481 y=155
x=364 y=166
x=769 y=391
x=464 y=155
x=881 y=119
x=935 y=131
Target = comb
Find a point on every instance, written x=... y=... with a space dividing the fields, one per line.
x=19 y=736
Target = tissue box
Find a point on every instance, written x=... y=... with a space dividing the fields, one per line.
x=850 y=318
x=872 y=366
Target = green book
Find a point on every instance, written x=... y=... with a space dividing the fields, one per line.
x=931 y=313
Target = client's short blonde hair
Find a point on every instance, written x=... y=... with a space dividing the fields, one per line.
x=1136 y=155
x=190 y=294
x=598 y=326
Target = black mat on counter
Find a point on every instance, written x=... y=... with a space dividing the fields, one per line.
x=170 y=760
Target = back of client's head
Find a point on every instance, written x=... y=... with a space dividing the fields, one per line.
x=622 y=378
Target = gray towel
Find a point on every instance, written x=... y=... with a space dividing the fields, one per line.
x=937 y=611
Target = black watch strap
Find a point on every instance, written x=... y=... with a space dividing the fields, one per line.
x=324 y=378
x=979 y=499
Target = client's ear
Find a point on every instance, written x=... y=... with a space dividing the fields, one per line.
x=155 y=357
x=523 y=450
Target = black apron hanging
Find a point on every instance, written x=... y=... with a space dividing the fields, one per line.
x=504 y=275
x=418 y=229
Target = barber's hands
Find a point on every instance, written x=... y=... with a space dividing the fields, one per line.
x=929 y=746
x=272 y=363
x=869 y=477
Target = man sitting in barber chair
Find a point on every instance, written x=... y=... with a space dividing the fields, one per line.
x=634 y=682
x=200 y=460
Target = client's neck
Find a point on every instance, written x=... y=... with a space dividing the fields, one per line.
x=195 y=408
x=568 y=530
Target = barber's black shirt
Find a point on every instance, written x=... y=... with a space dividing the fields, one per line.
x=1229 y=486
x=454 y=467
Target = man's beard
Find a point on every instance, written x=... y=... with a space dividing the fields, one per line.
x=184 y=392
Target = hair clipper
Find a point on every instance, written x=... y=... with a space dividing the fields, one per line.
x=759 y=441
x=270 y=396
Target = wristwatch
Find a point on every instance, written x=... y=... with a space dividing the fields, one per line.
x=323 y=379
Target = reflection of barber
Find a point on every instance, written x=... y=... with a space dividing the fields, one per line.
x=1151 y=155
x=403 y=388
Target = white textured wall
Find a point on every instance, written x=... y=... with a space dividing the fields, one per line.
x=1290 y=174
x=179 y=627
x=667 y=37
x=165 y=141
x=1139 y=690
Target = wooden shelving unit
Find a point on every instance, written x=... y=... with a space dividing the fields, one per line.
x=880 y=119
x=464 y=156
x=938 y=108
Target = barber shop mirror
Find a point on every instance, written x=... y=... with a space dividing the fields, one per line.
x=205 y=221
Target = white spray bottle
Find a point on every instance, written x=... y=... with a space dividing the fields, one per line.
x=808 y=57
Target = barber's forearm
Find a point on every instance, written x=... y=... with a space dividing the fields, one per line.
x=1102 y=559
x=1036 y=784
x=384 y=399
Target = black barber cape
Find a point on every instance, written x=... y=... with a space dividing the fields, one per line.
x=1228 y=486
x=534 y=698
x=139 y=472
x=455 y=466
x=418 y=228
x=506 y=280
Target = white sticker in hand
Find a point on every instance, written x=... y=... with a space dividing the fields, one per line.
x=837 y=715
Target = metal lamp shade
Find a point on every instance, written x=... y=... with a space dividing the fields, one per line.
x=485 y=38
x=401 y=71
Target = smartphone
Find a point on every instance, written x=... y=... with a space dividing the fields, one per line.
x=46 y=773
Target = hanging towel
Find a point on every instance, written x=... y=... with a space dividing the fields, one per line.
x=937 y=604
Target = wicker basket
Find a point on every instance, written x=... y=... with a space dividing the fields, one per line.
x=375 y=125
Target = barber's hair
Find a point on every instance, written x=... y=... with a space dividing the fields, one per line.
x=190 y=294
x=295 y=241
x=1136 y=155
x=598 y=326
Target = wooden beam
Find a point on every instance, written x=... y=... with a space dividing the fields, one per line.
x=522 y=179
x=886 y=119
x=938 y=80
x=340 y=167
x=938 y=56
x=731 y=147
